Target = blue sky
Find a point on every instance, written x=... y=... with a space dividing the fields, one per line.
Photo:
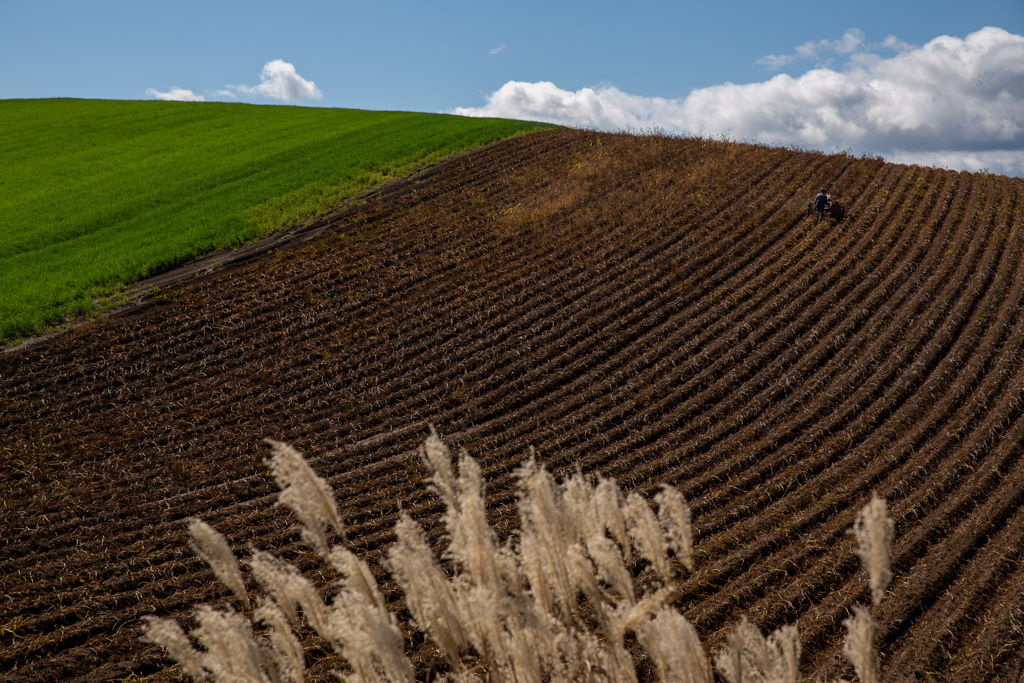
x=872 y=76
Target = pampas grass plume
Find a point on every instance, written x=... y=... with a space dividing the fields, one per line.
x=675 y=517
x=368 y=633
x=874 y=530
x=167 y=634
x=860 y=632
x=749 y=656
x=232 y=656
x=547 y=545
x=437 y=458
x=675 y=647
x=210 y=545
x=277 y=577
x=608 y=503
x=308 y=496
x=646 y=534
x=428 y=593
x=291 y=660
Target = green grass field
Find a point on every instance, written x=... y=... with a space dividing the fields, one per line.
x=99 y=194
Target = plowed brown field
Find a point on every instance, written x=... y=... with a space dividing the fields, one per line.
x=654 y=309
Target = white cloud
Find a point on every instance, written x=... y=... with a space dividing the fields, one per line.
x=953 y=102
x=280 y=81
x=606 y=108
x=849 y=43
x=176 y=94
x=498 y=49
x=891 y=42
x=776 y=62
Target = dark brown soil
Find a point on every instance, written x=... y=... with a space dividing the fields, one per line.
x=654 y=309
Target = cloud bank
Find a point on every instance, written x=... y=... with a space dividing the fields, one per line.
x=953 y=102
x=278 y=81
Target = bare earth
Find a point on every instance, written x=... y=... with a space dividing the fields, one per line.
x=653 y=309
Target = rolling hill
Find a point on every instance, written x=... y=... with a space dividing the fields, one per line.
x=98 y=194
x=649 y=308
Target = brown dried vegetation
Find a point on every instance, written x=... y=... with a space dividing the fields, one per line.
x=650 y=309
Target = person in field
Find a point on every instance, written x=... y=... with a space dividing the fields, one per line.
x=821 y=203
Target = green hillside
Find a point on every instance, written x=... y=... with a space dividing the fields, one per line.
x=98 y=194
